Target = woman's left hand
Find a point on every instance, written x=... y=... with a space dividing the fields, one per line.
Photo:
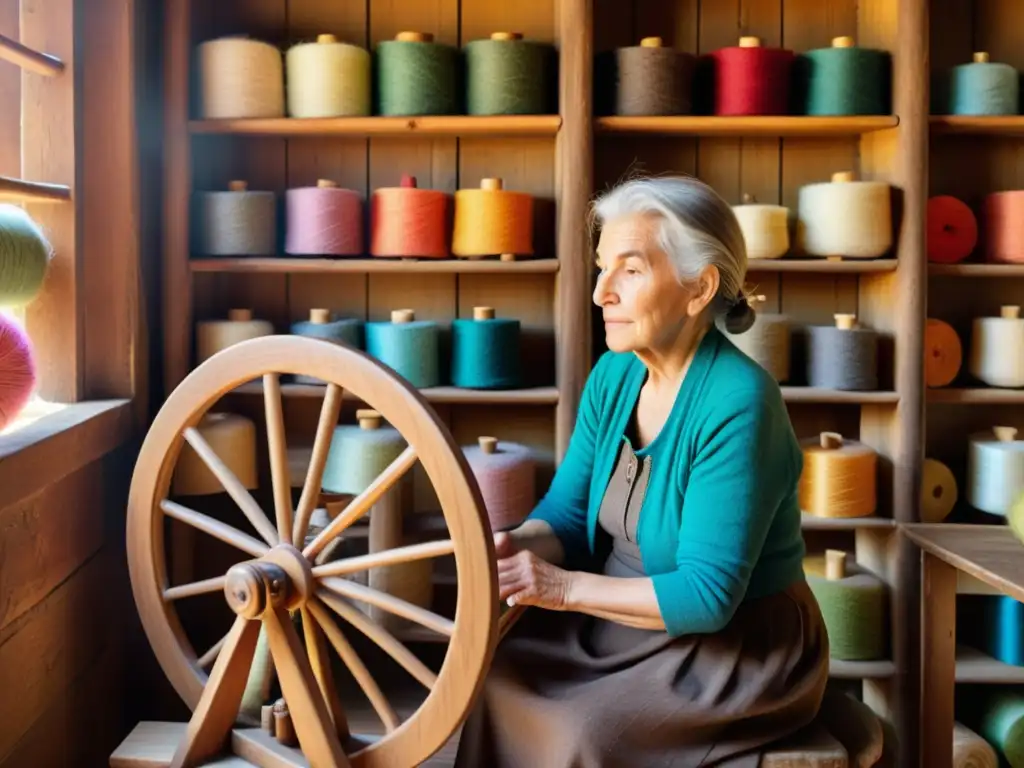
x=525 y=579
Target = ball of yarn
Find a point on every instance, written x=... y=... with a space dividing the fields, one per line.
x=240 y=78
x=853 y=605
x=767 y=342
x=233 y=438
x=843 y=356
x=1003 y=216
x=952 y=230
x=236 y=222
x=943 y=353
x=995 y=470
x=938 y=491
x=844 y=79
x=651 y=79
x=1000 y=715
x=486 y=351
x=845 y=218
x=838 y=478
x=970 y=750
x=506 y=475
x=765 y=229
x=507 y=75
x=408 y=222
x=752 y=80
x=214 y=335
x=328 y=78
x=360 y=453
x=997 y=349
x=17 y=370
x=983 y=87
x=324 y=220
x=492 y=221
x=408 y=346
x=320 y=325
x=416 y=76
x=24 y=257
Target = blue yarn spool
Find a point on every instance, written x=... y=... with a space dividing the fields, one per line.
x=1003 y=620
x=410 y=347
x=320 y=326
x=983 y=88
x=485 y=351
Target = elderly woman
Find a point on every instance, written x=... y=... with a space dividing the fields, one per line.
x=672 y=625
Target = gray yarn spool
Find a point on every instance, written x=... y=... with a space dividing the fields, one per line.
x=652 y=80
x=321 y=326
x=767 y=343
x=983 y=88
x=842 y=357
x=236 y=222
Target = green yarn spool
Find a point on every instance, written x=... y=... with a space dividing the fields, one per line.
x=416 y=76
x=507 y=75
x=410 y=347
x=1002 y=724
x=359 y=454
x=852 y=604
x=846 y=80
x=486 y=351
x=983 y=88
x=24 y=257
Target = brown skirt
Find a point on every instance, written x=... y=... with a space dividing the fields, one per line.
x=570 y=691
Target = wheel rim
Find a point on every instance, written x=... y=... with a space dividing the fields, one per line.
x=474 y=629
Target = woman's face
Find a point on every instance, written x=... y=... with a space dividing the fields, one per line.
x=645 y=307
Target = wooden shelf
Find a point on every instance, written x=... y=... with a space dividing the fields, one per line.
x=295 y=265
x=979 y=396
x=975 y=666
x=447 y=395
x=440 y=126
x=989 y=553
x=861 y=670
x=976 y=270
x=993 y=125
x=712 y=125
x=826 y=266
x=813 y=523
x=817 y=395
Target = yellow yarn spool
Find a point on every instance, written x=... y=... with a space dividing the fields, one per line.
x=765 y=228
x=938 y=491
x=328 y=78
x=839 y=477
x=240 y=78
x=492 y=221
x=214 y=335
x=233 y=439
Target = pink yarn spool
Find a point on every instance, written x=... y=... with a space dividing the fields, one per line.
x=17 y=370
x=324 y=221
x=505 y=473
x=1002 y=214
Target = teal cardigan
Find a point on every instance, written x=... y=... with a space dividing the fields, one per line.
x=720 y=522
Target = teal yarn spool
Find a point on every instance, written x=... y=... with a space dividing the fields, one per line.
x=24 y=257
x=845 y=80
x=359 y=454
x=320 y=326
x=486 y=351
x=416 y=76
x=983 y=88
x=410 y=347
x=506 y=75
x=1001 y=724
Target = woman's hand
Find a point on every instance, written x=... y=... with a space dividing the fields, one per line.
x=525 y=579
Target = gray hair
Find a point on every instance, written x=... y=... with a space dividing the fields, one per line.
x=698 y=229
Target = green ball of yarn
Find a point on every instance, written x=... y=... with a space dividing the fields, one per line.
x=410 y=347
x=983 y=88
x=1002 y=725
x=416 y=76
x=485 y=351
x=845 y=80
x=852 y=603
x=507 y=75
x=24 y=257
x=359 y=454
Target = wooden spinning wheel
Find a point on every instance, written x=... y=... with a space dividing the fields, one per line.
x=277 y=577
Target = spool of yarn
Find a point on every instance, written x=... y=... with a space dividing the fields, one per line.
x=416 y=76
x=214 y=335
x=970 y=750
x=845 y=218
x=845 y=80
x=1002 y=635
x=983 y=87
x=233 y=438
x=751 y=79
x=853 y=605
x=324 y=220
x=320 y=325
x=506 y=474
x=486 y=351
x=506 y=75
x=1001 y=722
x=839 y=477
x=328 y=78
x=952 y=230
x=17 y=370
x=653 y=80
x=995 y=470
x=360 y=453
x=938 y=491
x=492 y=221
x=843 y=356
x=765 y=228
x=237 y=222
x=1003 y=216
x=24 y=256
x=410 y=347
x=943 y=354
x=997 y=348
x=767 y=342
x=240 y=78
x=408 y=222
x=1015 y=519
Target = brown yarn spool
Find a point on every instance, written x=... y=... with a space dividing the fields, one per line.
x=943 y=353
x=653 y=80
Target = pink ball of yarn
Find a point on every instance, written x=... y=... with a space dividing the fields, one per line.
x=505 y=473
x=17 y=370
x=323 y=221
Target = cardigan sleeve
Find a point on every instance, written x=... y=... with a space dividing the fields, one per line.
x=742 y=468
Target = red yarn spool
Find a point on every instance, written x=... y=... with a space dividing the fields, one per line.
x=407 y=222
x=751 y=80
x=17 y=370
x=952 y=230
x=1003 y=214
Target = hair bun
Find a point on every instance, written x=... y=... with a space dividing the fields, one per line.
x=740 y=317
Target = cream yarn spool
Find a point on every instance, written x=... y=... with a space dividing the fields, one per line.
x=970 y=750
x=240 y=78
x=214 y=335
x=328 y=78
x=767 y=342
x=997 y=349
x=845 y=218
x=995 y=470
x=765 y=228
x=236 y=222
x=233 y=439
x=938 y=491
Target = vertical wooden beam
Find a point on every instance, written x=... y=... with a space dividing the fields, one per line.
x=10 y=94
x=937 y=666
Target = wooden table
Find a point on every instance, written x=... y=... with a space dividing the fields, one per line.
x=989 y=553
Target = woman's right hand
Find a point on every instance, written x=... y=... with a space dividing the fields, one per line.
x=534 y=535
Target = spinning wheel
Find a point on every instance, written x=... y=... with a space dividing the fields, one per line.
x=277 y=578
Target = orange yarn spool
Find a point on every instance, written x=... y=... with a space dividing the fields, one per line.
x=943 y=353
x=491 y=221
x=1004 y=227
x=407 y=222
x=952 y=230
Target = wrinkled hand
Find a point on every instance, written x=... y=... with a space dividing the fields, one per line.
x=525 y=579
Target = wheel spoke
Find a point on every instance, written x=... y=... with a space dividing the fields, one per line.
x=316 y=649
x=211 y=655
x=278 y=449
x=329 y=413
x=232 y=485
x=395 y=556
x=391 y=604
x=226 y=533
x=195 y=588
x=361 y=504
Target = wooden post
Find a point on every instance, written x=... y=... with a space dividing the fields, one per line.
x=937 y=664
